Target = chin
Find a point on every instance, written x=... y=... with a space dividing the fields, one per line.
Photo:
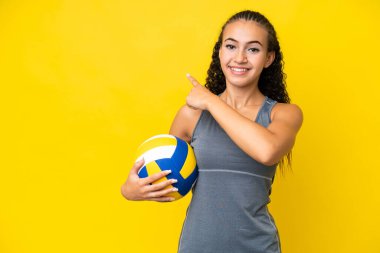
x=240 y=83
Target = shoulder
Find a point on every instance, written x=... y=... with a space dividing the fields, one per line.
x=290 y=113
x=184 y=122
x=188 y=112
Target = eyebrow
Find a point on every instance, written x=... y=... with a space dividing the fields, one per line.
x=249 y=42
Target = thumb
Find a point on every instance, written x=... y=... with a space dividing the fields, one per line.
x=136 y=167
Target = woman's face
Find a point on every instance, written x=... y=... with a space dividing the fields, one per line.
x=243 y=53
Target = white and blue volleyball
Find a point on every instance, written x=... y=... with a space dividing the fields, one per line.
x=168 y=152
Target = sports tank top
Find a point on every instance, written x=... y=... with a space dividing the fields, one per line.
x=228 y=210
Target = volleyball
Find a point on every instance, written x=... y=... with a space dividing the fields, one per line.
x=168 y=152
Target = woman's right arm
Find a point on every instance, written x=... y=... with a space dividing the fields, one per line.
x=136 y=188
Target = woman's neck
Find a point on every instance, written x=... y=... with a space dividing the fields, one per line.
x=240 y=98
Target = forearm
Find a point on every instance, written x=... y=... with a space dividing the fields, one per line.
x=257 y=141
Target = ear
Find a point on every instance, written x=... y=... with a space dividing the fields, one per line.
x=270 y=59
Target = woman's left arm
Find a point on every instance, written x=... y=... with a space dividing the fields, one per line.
x=265 y=145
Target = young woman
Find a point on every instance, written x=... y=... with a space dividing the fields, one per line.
x=241 y=125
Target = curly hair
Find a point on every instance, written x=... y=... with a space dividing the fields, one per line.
x=272 y=79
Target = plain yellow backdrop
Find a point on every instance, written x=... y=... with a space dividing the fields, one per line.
x=83 y=83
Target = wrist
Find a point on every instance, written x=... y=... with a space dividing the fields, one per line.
x=212 y=101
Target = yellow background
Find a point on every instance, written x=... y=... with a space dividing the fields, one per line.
x=83 y=83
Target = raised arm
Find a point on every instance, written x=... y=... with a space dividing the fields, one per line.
x=265 y=145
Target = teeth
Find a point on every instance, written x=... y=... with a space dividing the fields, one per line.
x=239 y=69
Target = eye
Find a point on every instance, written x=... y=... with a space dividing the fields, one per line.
x=229 y=46
x=254 y=50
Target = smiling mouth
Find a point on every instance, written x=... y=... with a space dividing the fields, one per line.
x=238 y=69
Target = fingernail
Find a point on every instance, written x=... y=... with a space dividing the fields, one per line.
x=174 y=181
x=187 y=74
x=172 y=199
x=167 y=171
x=175 y=189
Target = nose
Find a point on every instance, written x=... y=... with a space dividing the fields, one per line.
x=241 y=56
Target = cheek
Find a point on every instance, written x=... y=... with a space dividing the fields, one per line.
x=263 y=57
x=223 y=63
x=220 y=56
x=223 y=57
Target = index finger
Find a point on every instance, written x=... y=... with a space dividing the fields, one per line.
x=155 y=177
x=193 y=81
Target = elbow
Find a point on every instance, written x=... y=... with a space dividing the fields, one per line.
x=269 y=161
x=268 y=156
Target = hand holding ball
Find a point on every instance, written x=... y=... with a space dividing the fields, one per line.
x=168 y=152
